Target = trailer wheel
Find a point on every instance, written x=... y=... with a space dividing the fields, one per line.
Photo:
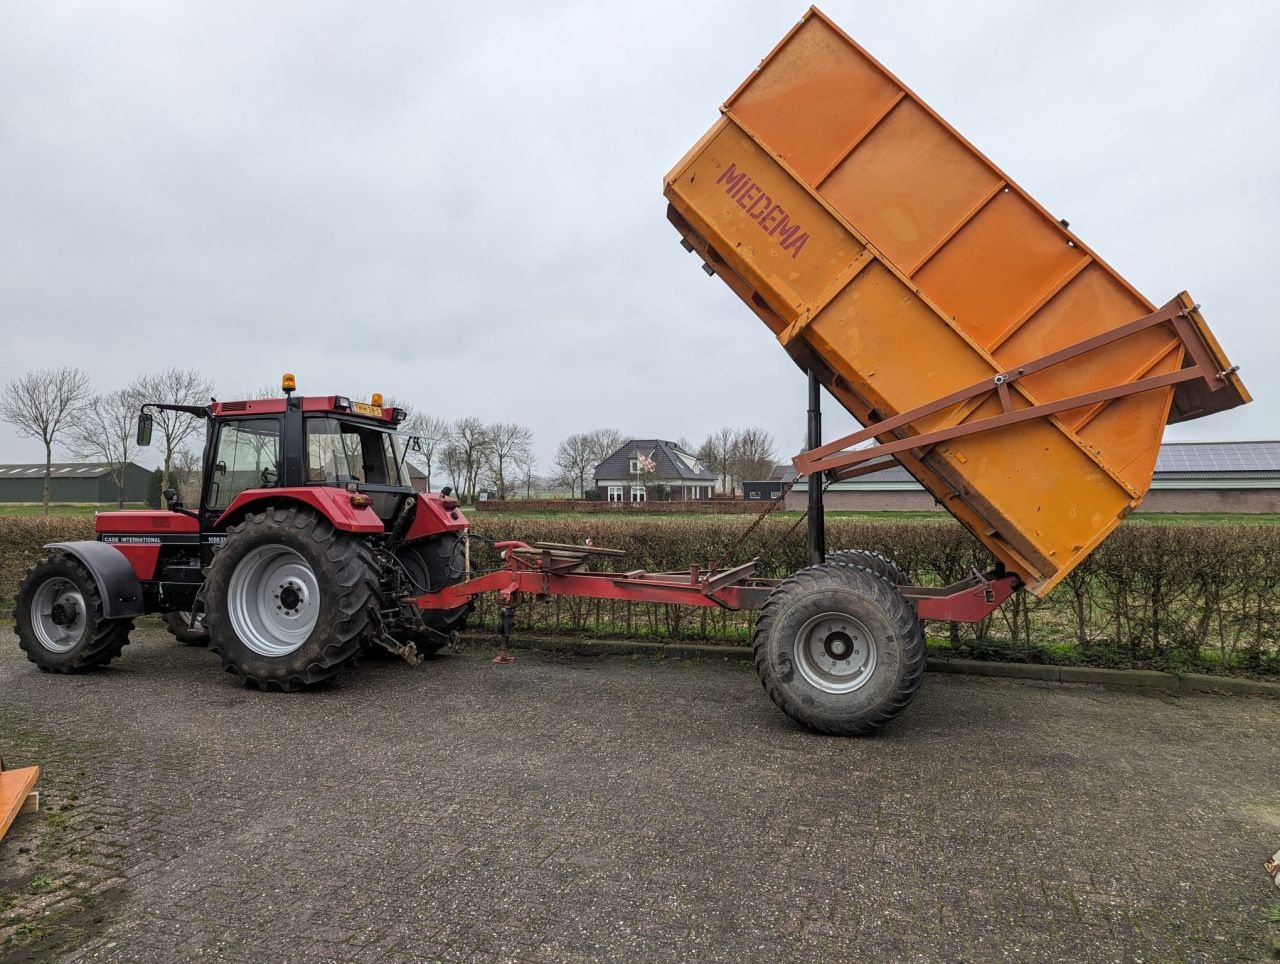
x=58 y=618
x=839 y=649
x=179 y=626
x=289 y=598
x=877 y=562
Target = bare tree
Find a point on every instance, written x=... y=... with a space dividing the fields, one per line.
x=716 y=454
x=603 y=442
x=524 y=474
x=752 y=455
x=575 y=457
x=42 y=405
x=507 y=443
x=432 y=432
x=105 y=430
x=175 y=386
x=451 y=459
x=186 y=475
x=470 y=437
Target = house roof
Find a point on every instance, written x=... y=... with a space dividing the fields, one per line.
x=1210 y=462
x=674 y=463
x=59 y=470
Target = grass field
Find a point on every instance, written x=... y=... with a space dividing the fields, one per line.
x=62 y=508
x=479 y=517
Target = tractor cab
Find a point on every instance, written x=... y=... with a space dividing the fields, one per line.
x=308 y=442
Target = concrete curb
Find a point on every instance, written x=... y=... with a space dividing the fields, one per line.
x=1127 y=678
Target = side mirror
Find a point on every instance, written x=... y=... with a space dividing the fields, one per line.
x=145 y=422
x=415 y=443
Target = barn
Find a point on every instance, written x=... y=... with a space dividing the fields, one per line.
x=86 y=482
x=1191 y=477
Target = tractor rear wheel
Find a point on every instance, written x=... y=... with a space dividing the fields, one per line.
x=179 y=626
x=431 y=565
x=289 y=598
x=877 y=562
x=839 y=649
x=59 y=618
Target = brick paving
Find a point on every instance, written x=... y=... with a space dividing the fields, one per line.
x=625 y=809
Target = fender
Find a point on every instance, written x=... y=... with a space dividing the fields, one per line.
x=117 y=582
x=334 y=504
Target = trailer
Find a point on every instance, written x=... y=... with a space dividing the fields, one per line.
x=984 y=346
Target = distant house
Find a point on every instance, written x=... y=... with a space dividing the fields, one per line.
x=417 y=478
x=652 y=469
x=1189 y=477
x=87 y=482
x=770 y=488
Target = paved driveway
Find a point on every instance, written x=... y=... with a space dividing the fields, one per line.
x=626 y=809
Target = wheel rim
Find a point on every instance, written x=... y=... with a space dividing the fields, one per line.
x=835 y=653
x=58 y=615
x=273 y=600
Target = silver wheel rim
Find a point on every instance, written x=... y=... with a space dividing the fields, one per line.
x=273 y=600
x=835 y=653
x=58 y=615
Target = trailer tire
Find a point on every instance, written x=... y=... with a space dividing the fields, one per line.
x=877 y=562
x=289 y=598
x=78 y=638
x=179 y=626
x=839 y=649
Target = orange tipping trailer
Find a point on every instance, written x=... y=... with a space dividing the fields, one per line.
x=1012 y=371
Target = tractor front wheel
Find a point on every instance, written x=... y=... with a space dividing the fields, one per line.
x=59 y=618
x=179 y=626
x=289 y=598
x=839 y=649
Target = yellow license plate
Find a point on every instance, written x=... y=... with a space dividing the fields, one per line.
x=363 y=408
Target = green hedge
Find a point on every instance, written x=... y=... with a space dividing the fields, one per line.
x=1176 y=594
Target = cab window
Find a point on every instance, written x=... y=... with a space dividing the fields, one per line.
x=340 y=452
x=247 y=457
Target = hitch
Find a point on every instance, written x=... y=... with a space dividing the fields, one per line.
x=406 y=651
x=506 y=617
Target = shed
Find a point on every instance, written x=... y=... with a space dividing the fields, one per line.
x=84 y=482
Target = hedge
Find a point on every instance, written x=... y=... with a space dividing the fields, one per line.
x=1200 y=590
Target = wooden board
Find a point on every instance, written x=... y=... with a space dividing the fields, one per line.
x=581 y=550
x=15 y=785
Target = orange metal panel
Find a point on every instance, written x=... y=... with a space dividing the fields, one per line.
x=891 y=256
x=907 y=184
x=996 y=268
x=815 y=98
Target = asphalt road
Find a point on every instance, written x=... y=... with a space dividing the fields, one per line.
x=574 y=809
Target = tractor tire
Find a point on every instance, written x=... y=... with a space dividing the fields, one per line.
x=58 y=618
x=877 y=562
x=839 y=649
x=179 y=626
x=432 y=564
x=289 y=598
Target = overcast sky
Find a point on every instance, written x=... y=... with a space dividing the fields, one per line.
x=461 y=204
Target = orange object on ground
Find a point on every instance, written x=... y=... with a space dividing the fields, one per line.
x=889 y=256
x=15 y=787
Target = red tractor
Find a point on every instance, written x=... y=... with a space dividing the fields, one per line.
x=306 y=538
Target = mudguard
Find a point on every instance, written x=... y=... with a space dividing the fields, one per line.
x=117 y=582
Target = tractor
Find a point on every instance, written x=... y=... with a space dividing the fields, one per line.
x=305 y=541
